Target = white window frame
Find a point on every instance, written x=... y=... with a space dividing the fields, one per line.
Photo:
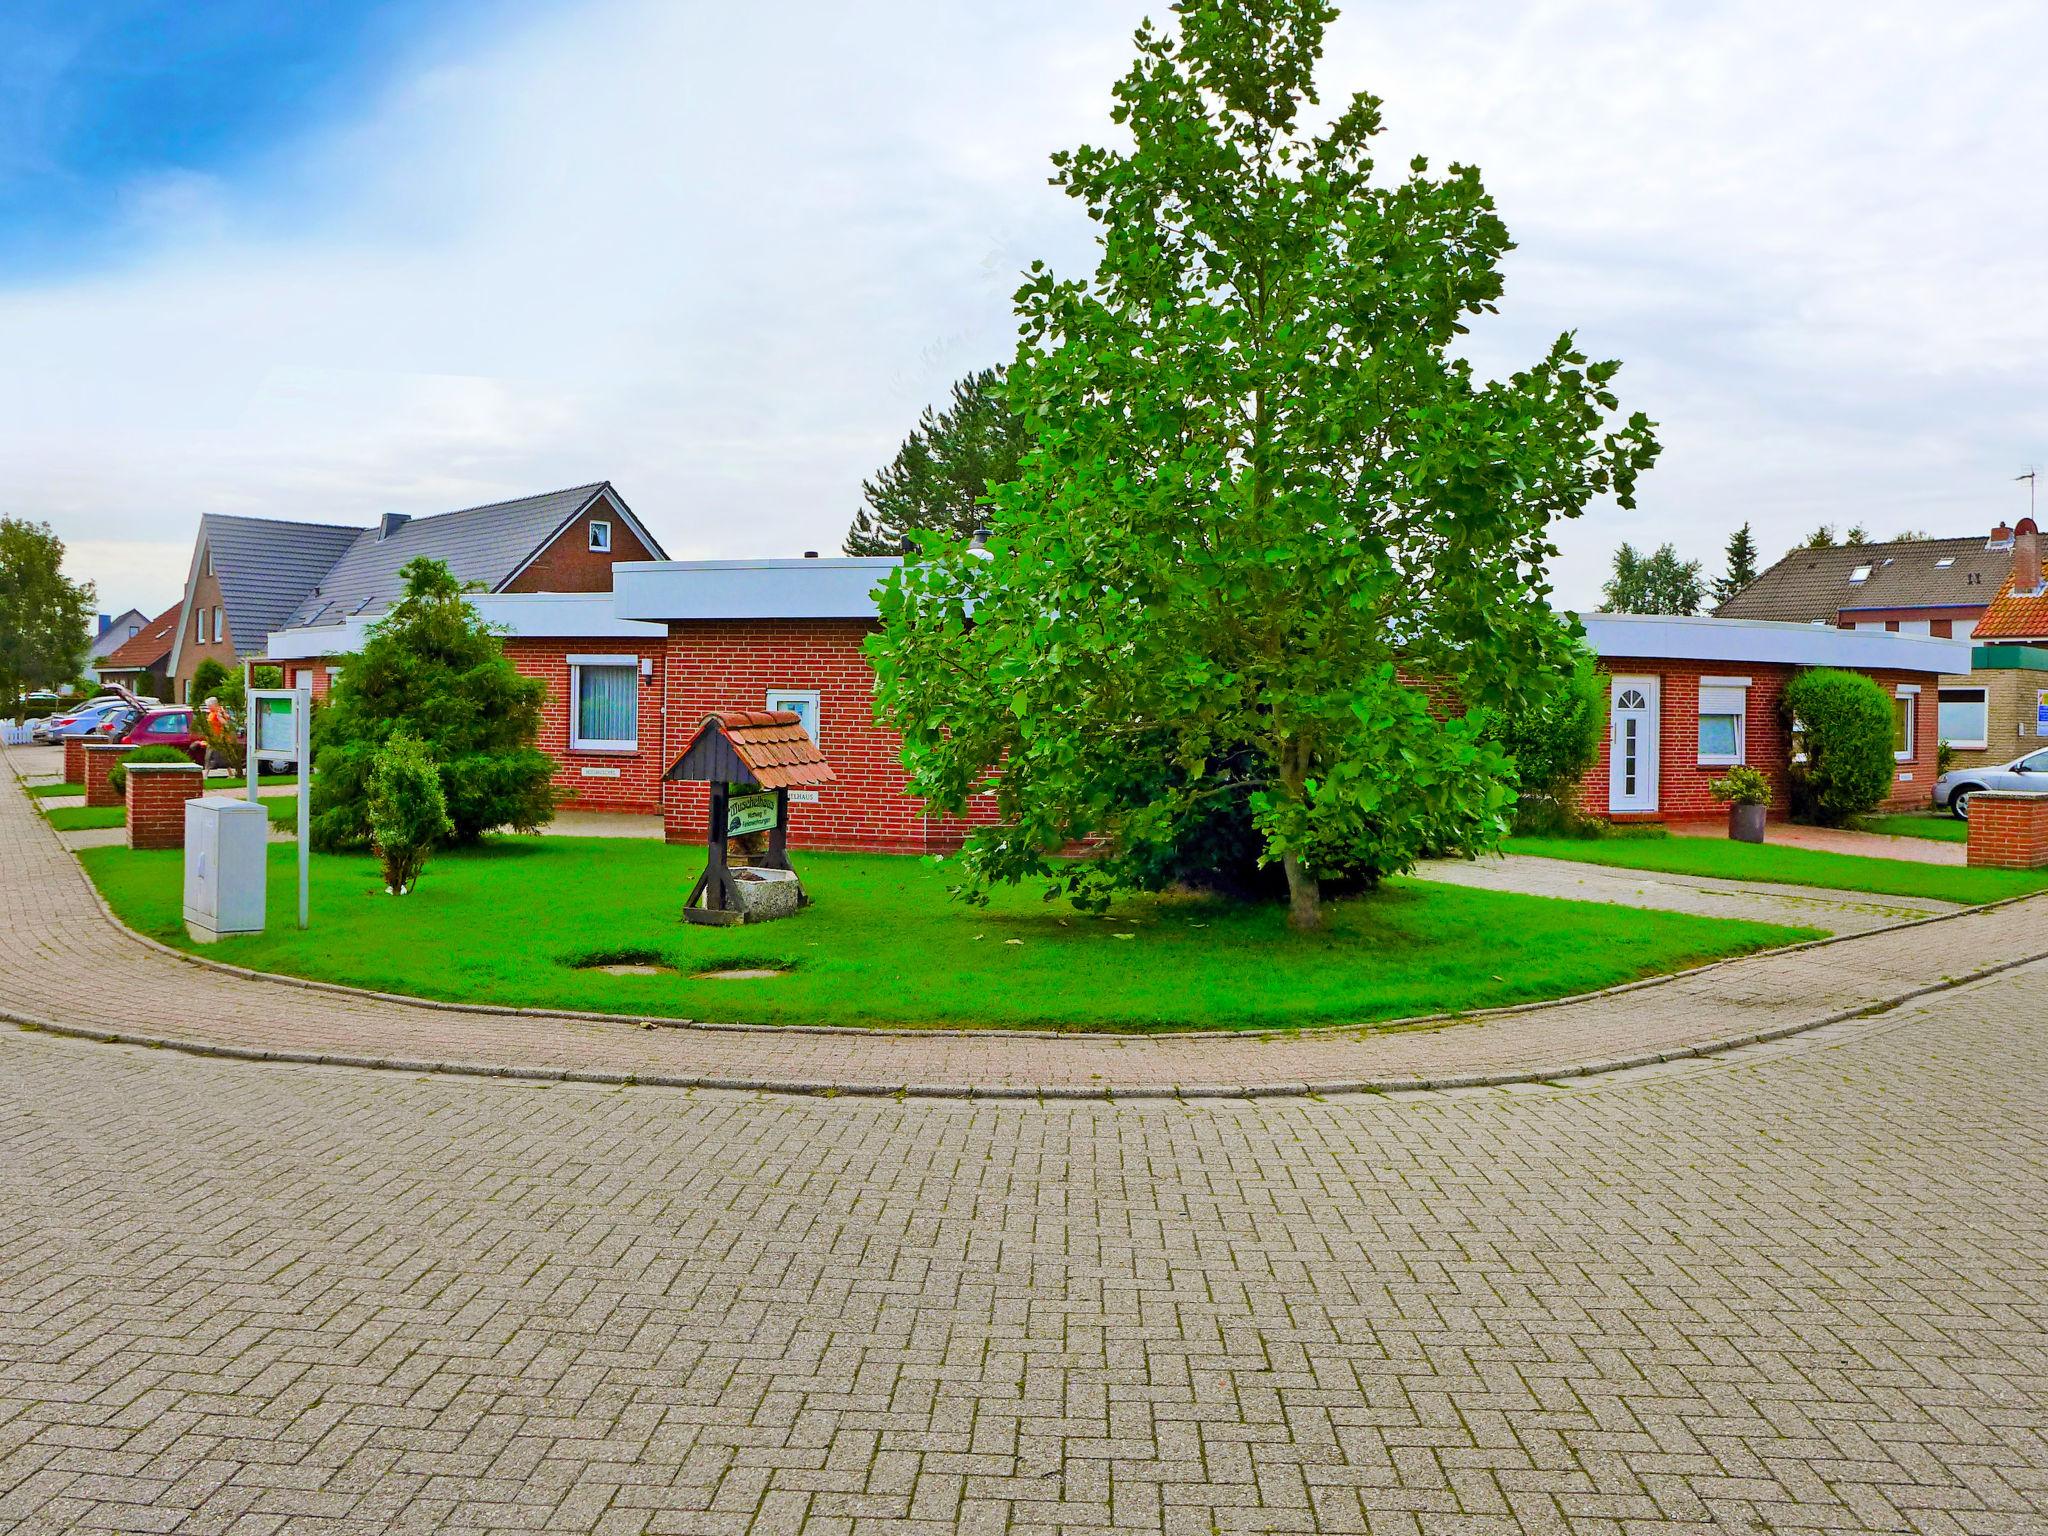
x=1909 y=695
x=780 y=698
x=577 y=743
x=199 y=627
x=601 y=535
x=1965 y=743
x=1724 y=690
x=219 y=629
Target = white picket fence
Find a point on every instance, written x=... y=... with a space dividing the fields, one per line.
x=13 y=735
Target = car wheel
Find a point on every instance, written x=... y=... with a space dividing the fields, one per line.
x=1959 y=802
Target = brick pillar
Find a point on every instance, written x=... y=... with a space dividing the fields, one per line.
x=74 y=759
x=157 y=793
x=100 y=756
x=2008 y=829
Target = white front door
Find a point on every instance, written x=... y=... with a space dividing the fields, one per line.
x=1632 y=751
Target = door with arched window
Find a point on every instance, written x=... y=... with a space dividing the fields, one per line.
x=1633 y=746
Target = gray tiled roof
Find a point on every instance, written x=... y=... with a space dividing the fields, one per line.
x=1813 y=586
x=484 y=545
x=265 y=567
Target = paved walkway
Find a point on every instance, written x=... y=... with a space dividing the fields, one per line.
x=1800 y=1290
x=1876 y=845
x=1800 y=905
x=51 y=925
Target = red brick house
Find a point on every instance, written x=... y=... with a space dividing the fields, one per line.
x=1688 y=698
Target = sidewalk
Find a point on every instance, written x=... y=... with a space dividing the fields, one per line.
x=51 y=924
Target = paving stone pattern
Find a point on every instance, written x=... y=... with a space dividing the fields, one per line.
x=52 y=926
x=1803 y=1289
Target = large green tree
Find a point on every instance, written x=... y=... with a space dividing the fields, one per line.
x=939 y=480
x=432 y=670
x=1741 y=560
x=45 y=617
x=1659 y=582
x=1266 y=496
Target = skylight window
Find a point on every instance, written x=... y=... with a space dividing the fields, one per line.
x=1861 y=573
x=1944 y=562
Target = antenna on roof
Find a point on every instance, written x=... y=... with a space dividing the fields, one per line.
x=2032 y=476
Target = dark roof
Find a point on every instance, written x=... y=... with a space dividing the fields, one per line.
x=1811 y=586
x=768 y=746
x=148 y=648
x=265 y=568
x=483 y=545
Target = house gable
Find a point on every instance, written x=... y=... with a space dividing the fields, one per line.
x=565 y=561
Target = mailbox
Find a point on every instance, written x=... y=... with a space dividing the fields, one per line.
x=225 y=853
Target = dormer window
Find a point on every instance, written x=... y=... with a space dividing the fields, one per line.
x=1860 y=574
x=600 y=535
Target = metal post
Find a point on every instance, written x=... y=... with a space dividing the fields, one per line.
x=304 y=704
x=249 y=738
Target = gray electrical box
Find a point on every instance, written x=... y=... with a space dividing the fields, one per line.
x=225 y=854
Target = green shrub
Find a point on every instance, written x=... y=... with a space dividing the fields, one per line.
x=1742 y=785
x=1553 y=744
x=117 y=776
x=1840 y=724
x=408 y=812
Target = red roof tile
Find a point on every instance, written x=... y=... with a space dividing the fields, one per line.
x=150 y=646
x=770 y=743
x=2015 y=617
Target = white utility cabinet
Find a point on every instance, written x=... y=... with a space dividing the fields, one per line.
x=225 y=838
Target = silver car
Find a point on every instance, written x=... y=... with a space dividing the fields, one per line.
x=1954 y=788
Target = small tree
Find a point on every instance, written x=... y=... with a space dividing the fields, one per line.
x=1266 y=493
x=1741 y=558
x=431 y=669
x=939 y=480
x=1658 y=583
x=1840 y=726
x=45 y=618
x=1554 y=742
x=408 y=812
x=1822 y=537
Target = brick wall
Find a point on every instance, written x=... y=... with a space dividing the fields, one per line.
x=569 y=564
x=1683 y=782
x=157 y=793
x=591 y=780
x=74 y=759
x=313 y=671
x=2008 y=830
x=100 y=758
x=218 y=647
x=732 y=664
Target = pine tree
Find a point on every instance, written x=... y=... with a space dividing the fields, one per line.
x=1741 y=557
x=939 y=479
x=1656 y=583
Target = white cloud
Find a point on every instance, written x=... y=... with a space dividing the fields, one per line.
x=722 y=255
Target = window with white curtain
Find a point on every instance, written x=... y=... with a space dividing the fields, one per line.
x=1965 y=717
x=1724 y=724
x=605 y=697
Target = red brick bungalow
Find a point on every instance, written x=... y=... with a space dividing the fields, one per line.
x=1688 y=698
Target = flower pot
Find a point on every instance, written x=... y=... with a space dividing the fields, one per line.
x=1746 y=823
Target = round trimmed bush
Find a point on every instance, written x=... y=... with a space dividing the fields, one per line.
x=117 y=776
x=1843 y=723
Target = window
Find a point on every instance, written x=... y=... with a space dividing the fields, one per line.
x=2038 y=763
x=178 y=724
x=1964 y=717
x=1860 y=574
x=605 y=703
x=220 y=630
x=1904 y=707
x=1944 y=562
x=600 y=535
x=1724 y=721
x=199 y=626
x=803 y=700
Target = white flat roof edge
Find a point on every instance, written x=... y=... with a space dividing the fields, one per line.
x=1767 y=641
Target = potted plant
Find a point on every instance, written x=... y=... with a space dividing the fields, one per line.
x=1748 y=796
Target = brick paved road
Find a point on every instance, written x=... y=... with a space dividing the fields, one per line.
x=1802 y=1289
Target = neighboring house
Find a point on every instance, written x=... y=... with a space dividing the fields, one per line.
x=1909 y=586
x=247 y=575
x=2000 y=710
x=110 y=634
x=141 y=661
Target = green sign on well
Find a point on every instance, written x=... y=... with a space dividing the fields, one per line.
x=749 y=813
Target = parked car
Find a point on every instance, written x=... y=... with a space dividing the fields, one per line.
x=81 y=722
x=170 y=726
x=1954 y=788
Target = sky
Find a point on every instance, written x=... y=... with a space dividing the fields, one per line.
x=341 y=257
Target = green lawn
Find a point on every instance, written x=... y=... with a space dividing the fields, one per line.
x=1938 y=826
x=282 y=809
x=213 y=786
x=1787 y=866
x=507 y=923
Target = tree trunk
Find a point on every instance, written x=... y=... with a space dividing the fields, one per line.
x=1304 y=896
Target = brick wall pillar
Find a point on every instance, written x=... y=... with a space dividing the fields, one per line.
x=74 y=759
x=2008 y=830
x=100 y=757
x=157 y=793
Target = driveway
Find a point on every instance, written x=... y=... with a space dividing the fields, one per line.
x=1800 y=1289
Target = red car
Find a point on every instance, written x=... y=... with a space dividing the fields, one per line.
x=172 y=725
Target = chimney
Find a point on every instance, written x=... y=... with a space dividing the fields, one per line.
x=105 y=620
x=2001 y=536
x=390 y=523
x=810 y=554
x=2027 y=580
